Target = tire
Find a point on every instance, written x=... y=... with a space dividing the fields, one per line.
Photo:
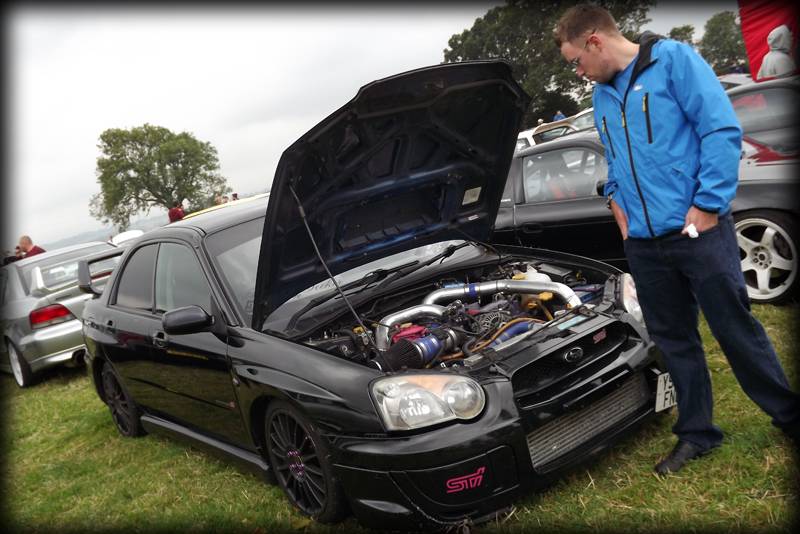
x=123 y=410
x=768 y=246
x=20 y=368
x=301 y=464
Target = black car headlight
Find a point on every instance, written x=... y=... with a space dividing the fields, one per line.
x=628 y=298
x=419 y=400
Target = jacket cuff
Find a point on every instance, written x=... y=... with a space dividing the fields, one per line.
x=707 y=210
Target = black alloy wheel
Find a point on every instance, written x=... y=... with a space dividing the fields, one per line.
x=301 y=464
x=123 y=409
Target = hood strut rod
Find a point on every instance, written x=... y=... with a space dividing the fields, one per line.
x=367 y=332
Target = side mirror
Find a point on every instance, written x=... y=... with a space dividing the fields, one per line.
x=188 y=320
x=601 y=186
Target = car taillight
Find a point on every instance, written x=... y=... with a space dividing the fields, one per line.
x=50 y=315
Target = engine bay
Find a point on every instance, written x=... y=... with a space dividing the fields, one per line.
x=454 y=318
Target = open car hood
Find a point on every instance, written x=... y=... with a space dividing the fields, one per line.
x=413 y=159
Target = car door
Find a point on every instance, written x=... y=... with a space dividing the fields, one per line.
x=558 y=206
x=193 y=368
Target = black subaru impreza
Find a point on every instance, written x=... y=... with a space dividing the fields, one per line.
x=355 y=336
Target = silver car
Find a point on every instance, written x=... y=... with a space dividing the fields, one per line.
x=40 y=309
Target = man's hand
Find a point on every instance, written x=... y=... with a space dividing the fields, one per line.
x=702 y=220
x=622 y=220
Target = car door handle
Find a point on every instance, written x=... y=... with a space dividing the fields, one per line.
x=160 y=339
x=532 y=228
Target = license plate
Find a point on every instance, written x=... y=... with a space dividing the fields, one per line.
x=665 y=393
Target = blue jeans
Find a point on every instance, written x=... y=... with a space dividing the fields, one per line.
x=673 y=274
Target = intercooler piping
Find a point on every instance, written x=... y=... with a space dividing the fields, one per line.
x=404 y=316
x=472 y=291
x=429 y=308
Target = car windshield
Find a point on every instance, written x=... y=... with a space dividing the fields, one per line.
x=235 y=252
x=62 y=269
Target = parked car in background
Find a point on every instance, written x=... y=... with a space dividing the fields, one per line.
x=553 y=197
x=438 y=378
x=525 y=139
x=125 y=237
x=583 y=120
x=40 y=309
x=735 y=79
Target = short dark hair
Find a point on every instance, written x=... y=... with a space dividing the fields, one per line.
x=583 y=18
x=176 y=203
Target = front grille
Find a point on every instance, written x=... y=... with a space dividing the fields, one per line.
x=567 y=432
x=541 y=379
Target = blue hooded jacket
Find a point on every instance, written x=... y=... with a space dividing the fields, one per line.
x=672 y=140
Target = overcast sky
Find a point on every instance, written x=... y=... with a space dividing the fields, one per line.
x=250 y=81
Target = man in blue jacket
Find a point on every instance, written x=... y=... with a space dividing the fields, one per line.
x=673 y=144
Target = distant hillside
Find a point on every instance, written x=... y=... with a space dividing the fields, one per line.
x=103 y=234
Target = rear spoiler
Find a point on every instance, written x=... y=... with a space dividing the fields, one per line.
x=85 y=276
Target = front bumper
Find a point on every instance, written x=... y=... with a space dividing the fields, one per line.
x=469 y=471
x=52 y=345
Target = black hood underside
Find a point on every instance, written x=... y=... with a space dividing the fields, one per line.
x=413 y=159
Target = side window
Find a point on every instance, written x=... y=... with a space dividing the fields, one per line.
x=765 y=109
x=235 y=252
x=562 y=174
x=180 y=280
x=135 y=288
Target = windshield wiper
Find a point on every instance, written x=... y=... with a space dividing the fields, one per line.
x=406 y=270
x=369 y=278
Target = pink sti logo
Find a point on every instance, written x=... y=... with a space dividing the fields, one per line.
x=470 y=481
x=600 y=336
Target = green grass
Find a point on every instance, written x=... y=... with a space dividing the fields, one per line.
x=67 y=468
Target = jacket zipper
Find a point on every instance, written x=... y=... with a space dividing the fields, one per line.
x=633 y=167
x=634 y=76
x=646 y=109
x=610 y=144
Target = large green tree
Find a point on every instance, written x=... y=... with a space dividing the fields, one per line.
x=151 y=166
x=722 y=44
x=683 y=33
x=522 y=33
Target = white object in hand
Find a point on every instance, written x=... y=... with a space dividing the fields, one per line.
x=692 y=231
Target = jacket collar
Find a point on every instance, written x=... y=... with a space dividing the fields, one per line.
x=645 y=58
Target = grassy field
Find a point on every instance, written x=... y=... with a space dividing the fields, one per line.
x=66 y=468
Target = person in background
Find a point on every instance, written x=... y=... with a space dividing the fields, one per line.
x=677 y=227
x=175 y=213
x=539 y=122
x=28 y=248
x=224 y=199
x=235 y=196
x=558 y=116
x=9 y=258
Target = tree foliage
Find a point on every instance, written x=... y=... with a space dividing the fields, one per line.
x=722 y=45
x=151 y=166
x=521 y=32
x=683 y=33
